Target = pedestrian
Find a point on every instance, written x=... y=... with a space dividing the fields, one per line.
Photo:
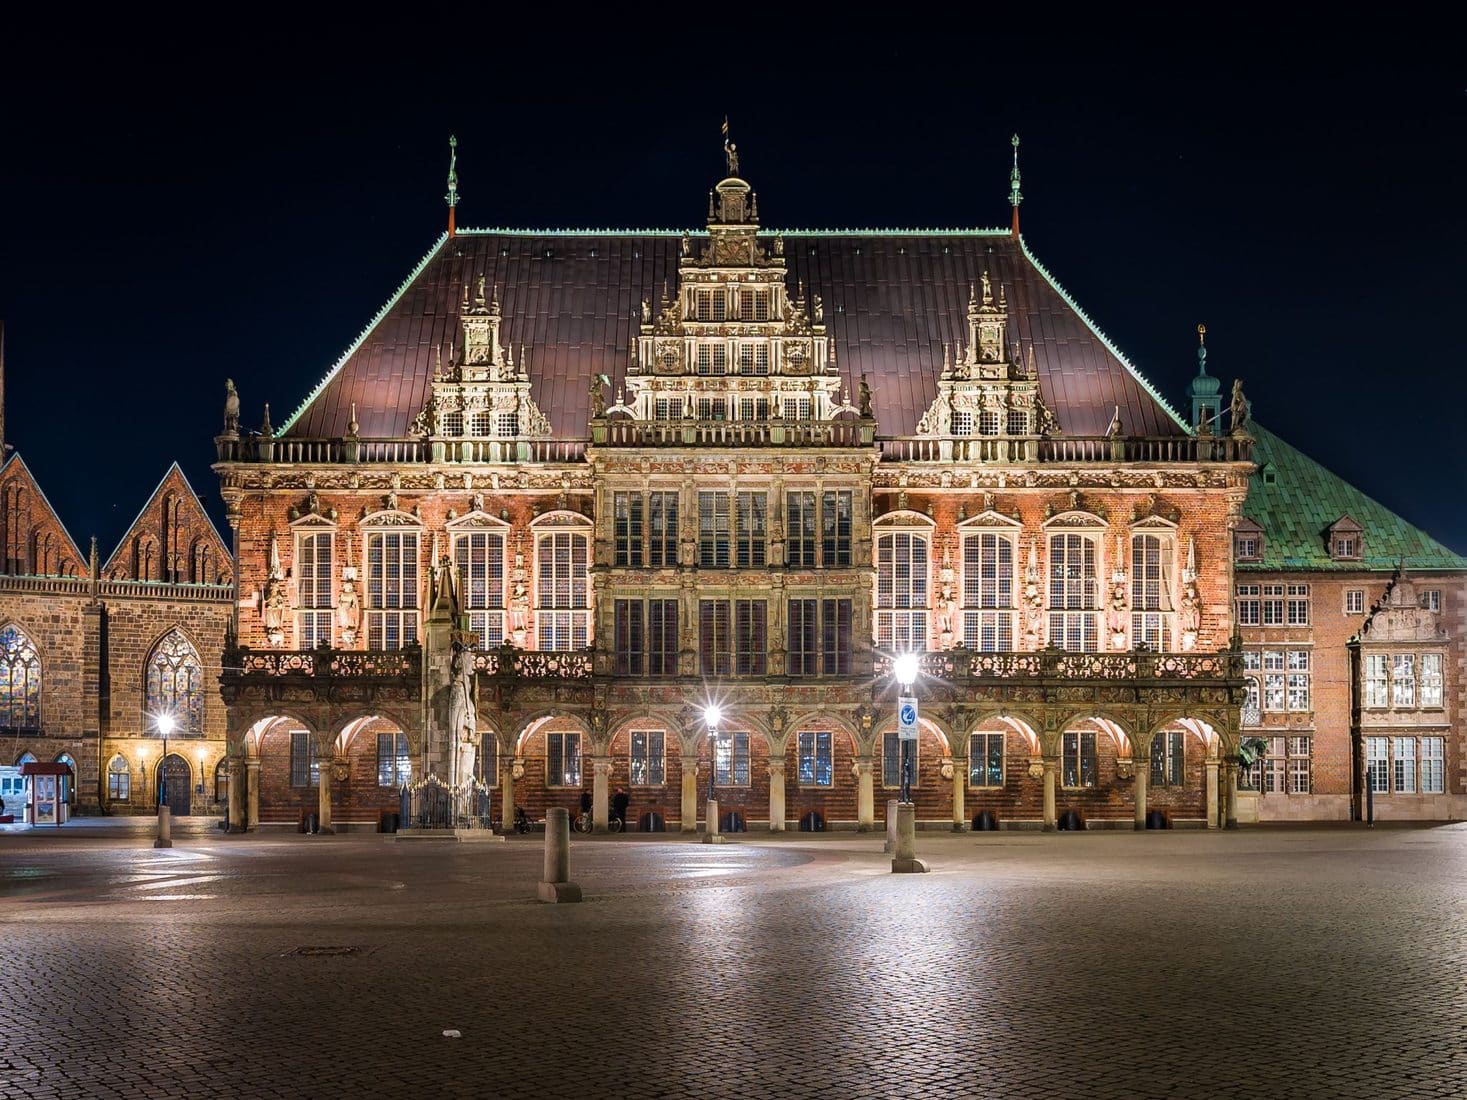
x=619 y=806
x=585 y=802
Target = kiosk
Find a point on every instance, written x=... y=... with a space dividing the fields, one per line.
x=47 y=797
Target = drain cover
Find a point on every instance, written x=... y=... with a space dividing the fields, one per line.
x=322 y=952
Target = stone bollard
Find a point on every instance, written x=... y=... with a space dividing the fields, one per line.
x=891 y=826
x=905 y=861
x=165 y=828
x=712 y=834
x=555 y=884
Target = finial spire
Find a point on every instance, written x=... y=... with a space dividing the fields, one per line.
x=1014 y=197
x=452 y=197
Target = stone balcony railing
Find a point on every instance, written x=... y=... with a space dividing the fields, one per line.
x=292 y=450
x=393 y=664
x=998 y=449
x=973 y=450
x=777 y=432
x=573 y=664
x=965 y=665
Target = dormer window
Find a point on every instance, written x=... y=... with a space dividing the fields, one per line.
x=1346 y=540
x=1247 y=541
x=962 y=423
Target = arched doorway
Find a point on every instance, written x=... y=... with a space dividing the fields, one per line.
x=175 y=784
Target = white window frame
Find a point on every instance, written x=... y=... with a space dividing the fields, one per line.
x=1073 y=600
x=988 y=587
x=903 y=603
x=391 y=607
x=314 y=585
x=647 y=757
x=482 y=600
x=812 y=746
x=562 y=582
x=1153 y=573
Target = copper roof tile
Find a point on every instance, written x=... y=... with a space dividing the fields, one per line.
x=892 y=300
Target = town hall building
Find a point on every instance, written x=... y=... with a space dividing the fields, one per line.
x=569 y=492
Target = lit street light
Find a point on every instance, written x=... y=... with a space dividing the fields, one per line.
x=906 y=667
x=712 y=715
x=904 y=858
x=165 y=723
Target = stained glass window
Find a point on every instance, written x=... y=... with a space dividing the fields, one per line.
x=20 y=680
x=176 y=686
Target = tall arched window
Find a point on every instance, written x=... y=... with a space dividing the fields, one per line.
x=901 y=591
x=176 y=686
x=1151 y=591
x=20 y=680
x=988 y=591
x=1073 y=593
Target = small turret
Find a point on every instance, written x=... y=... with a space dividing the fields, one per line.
x=1205 y=390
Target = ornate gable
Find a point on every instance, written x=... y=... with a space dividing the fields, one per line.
x=33 y=540
x=990 y=519
x=172 y=540
x=481 y=394
x=731 y=341
x=478 y=520
x=1401 y=618
x=389 y=517
x=987 y=390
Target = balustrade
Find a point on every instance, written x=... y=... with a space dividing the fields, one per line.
x=965 y=664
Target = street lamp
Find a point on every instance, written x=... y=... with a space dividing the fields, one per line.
x=906 y=667
x=712 y=714
x=165 y=724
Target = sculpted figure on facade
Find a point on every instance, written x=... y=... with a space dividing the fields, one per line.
x=462 y=717
x=349 y=606
x=1118 y=612
x=231 y=408
x=275 y=601
x=864 y=398
x=1238 y=408
x=1033 y=600
x=1189 y=619
x=519 y=601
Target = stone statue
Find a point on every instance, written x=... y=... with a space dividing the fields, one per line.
x=519 y=601
x=274 y=606
x=779 y=245
x=864 y=397
x=818 y=308
x=987 y=289
x=462 y=717
x=1113 y=431
x=598 y=397
x=349 y=607
x=1191 y=613
x=231 y=408
x=1204 y=420
x=646 y=312
x=687 y=245
x=731 y=155
x=1239 y=408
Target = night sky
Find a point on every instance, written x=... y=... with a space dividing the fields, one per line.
x=168 y=220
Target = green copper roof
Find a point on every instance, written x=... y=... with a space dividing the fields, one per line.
x=1295 y=500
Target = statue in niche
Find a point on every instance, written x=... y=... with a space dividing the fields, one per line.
x=519 y=600
x=231 y=408
x=864 y=398
x=1190 y=618
x=349 y=607
x=462 y=724
x=818 y=307
x=598 y=396
x=646 y=312
x=275 y=605
x=1239 y=408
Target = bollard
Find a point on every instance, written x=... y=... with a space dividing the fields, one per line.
x=555 y=884
x=165 y=828
x=905 y=861
x=891 y=826
x=712 y=834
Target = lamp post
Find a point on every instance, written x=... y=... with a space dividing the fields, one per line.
x=165 y=724
x=712 y=715
x=906 y=668
x=904 y=858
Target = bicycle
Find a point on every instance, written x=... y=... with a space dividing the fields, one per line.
x=585 y=822
x=521 y=820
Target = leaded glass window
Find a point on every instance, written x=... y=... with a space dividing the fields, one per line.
x=175 y=686
x=20 y=680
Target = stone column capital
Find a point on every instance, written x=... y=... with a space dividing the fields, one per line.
x=863 y=766
x=601 y=765
x=776 y=765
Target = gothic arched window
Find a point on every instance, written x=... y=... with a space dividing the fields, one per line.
x=119 y=780
x=175 y=686
x=20 y=680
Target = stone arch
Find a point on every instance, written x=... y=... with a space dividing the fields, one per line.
x=826 y=718
x=536 y=720
x=255 y=731
x=1119 y=730
x=940 y=728
x=1018 y=722
x=359 y=717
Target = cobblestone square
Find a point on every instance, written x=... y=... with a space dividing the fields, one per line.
x=1262 y=963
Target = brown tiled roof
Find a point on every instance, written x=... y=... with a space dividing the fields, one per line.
x=892 y=299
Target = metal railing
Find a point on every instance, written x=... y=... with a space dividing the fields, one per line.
x=431 y=803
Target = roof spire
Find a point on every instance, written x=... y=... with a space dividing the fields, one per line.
x=1014 y=197
x=452 y=197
